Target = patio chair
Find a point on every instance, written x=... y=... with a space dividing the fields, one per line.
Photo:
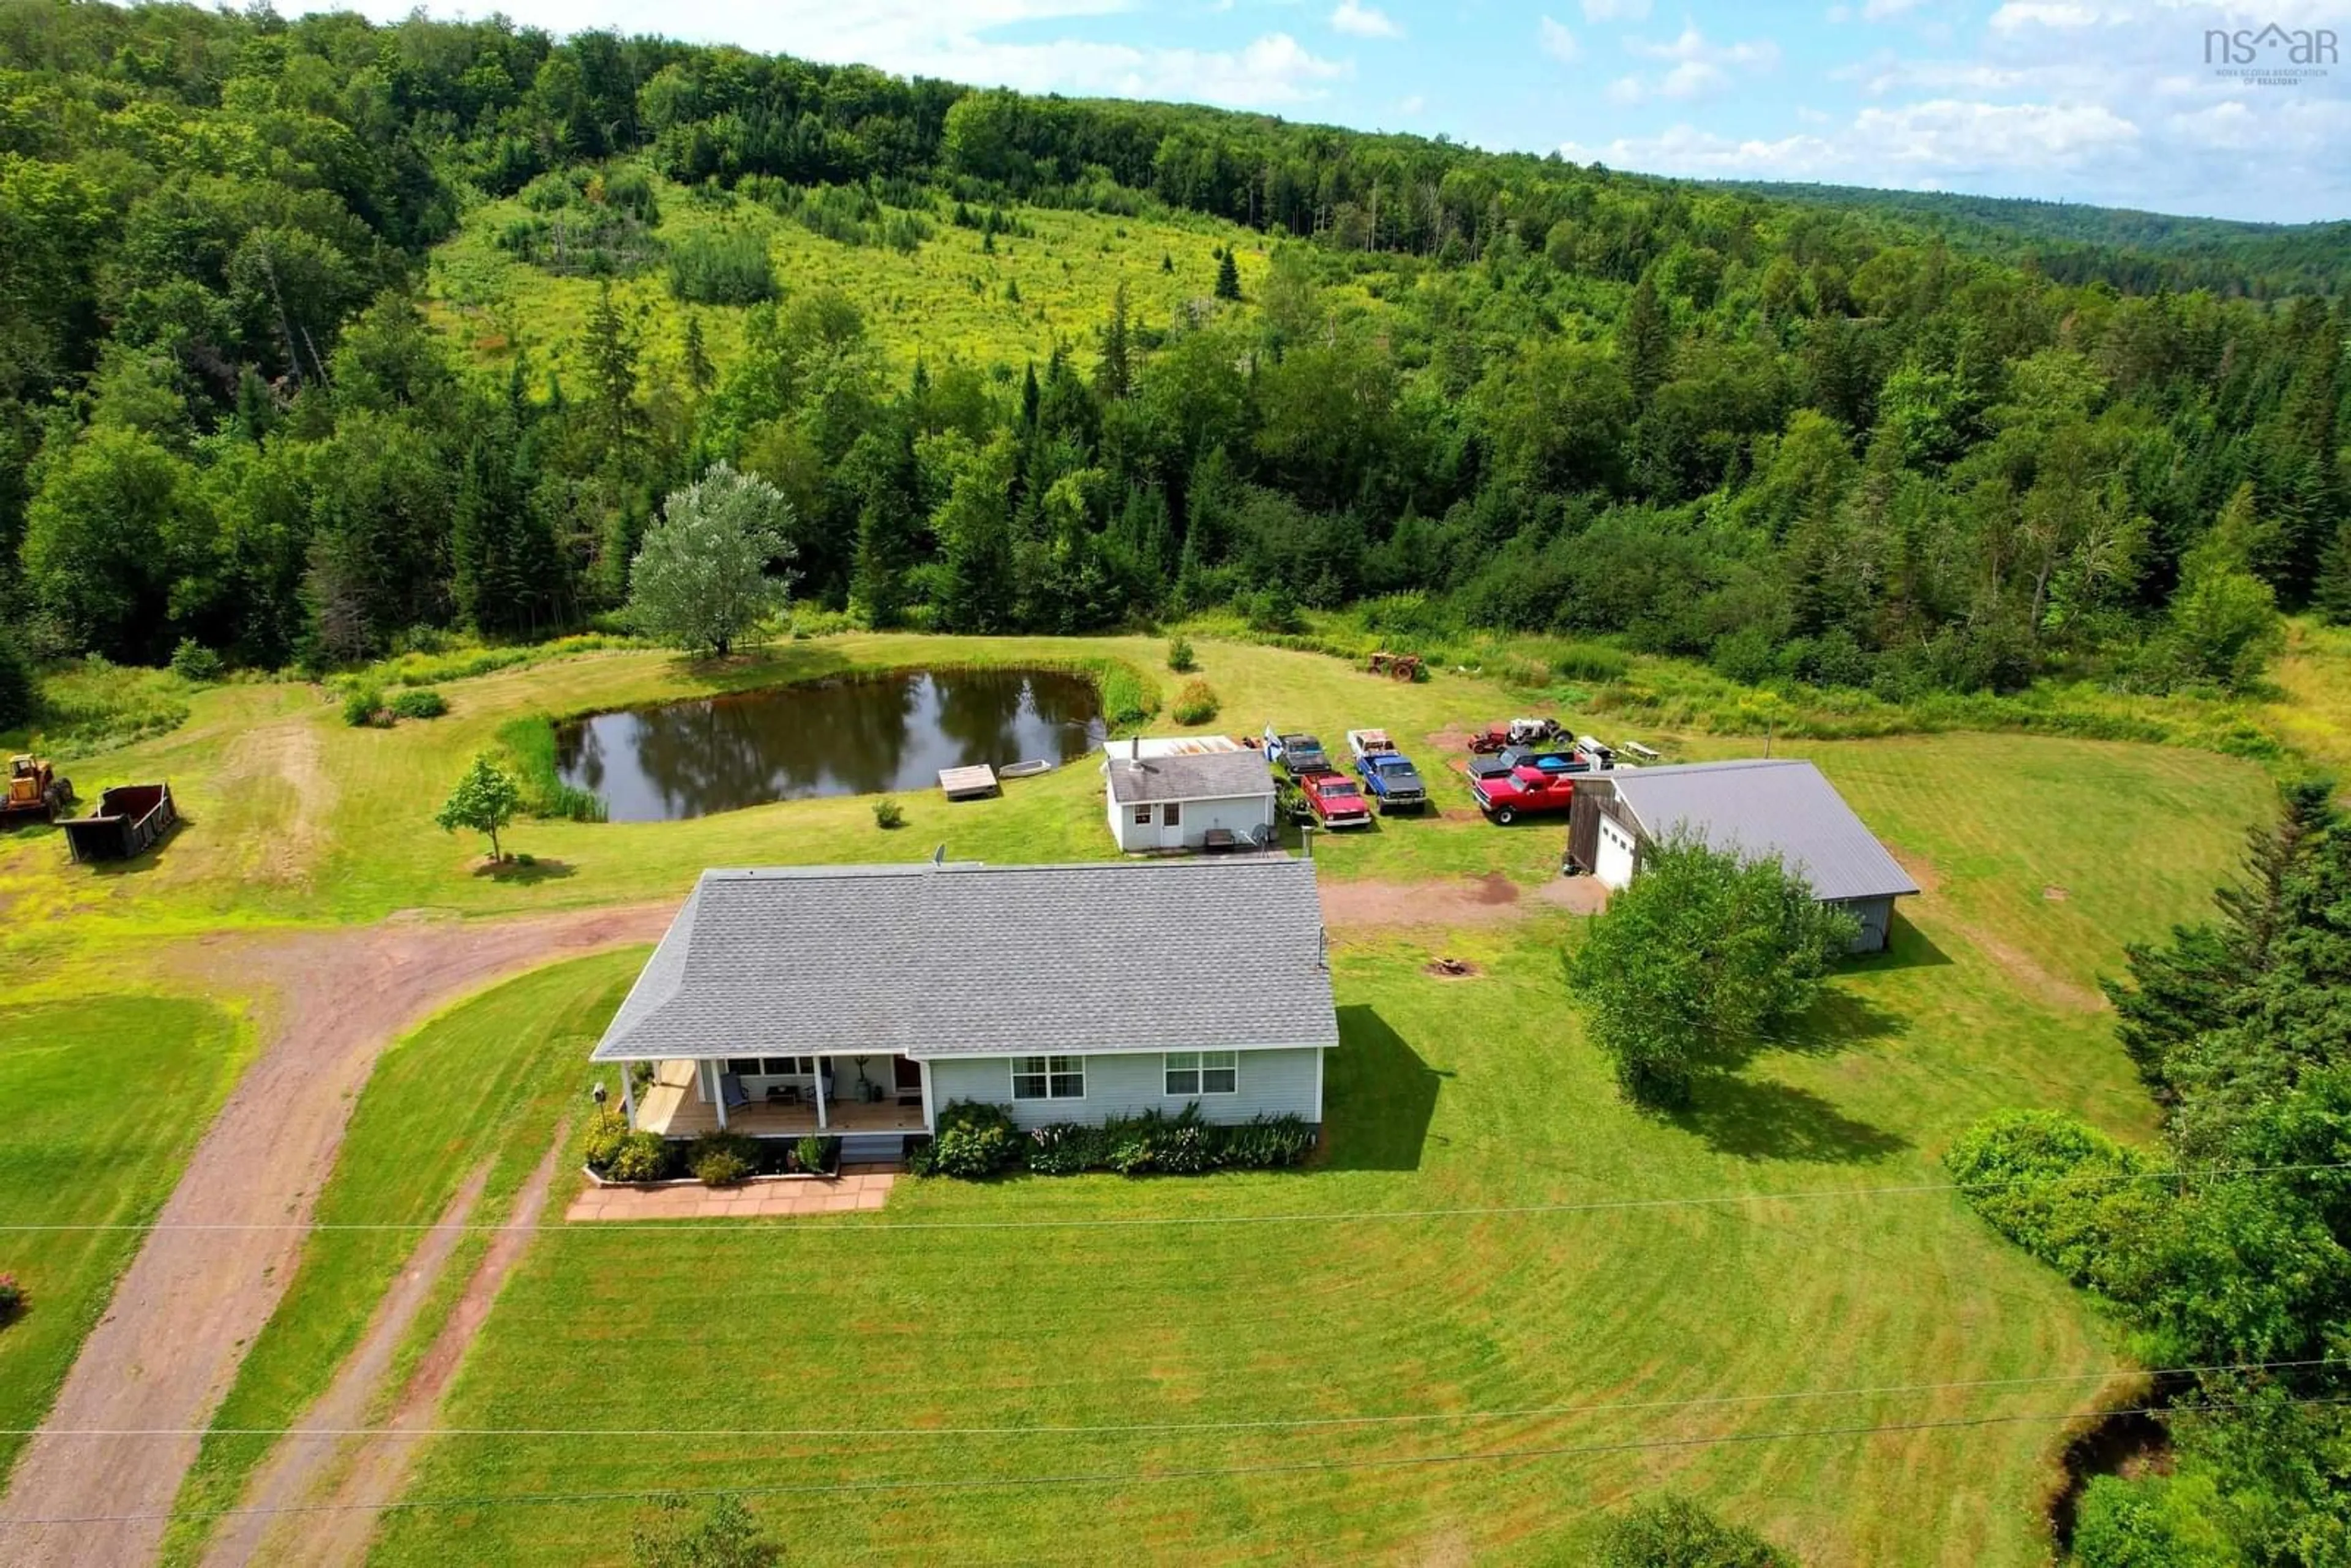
x=731 y=1092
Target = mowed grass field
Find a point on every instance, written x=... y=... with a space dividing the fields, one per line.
x=987 y=309
x=1346 y=1360
x=480 y=1089
x=106 y=1096
x=1412 y=1337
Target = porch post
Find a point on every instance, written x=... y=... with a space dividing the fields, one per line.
x=820 y=1093
x=718 y=1095
x=628 y=1096
x=929 y=1124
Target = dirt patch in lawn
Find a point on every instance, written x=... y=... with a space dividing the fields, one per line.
x=1371 y=903
x=2055 y=894
x=207 y=1277
x=2030 y=976
x=1451 y=969
x=284 y=754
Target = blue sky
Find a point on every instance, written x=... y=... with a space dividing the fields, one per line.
x=2111 y=101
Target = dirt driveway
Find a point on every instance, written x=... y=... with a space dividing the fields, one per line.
x=1373 y=905
x=183 y=1313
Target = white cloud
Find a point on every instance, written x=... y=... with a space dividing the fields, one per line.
x=1615 y=10
x=1556 y=41
x=949 y=38
x=1364 y=21
x=1699 y=68
x=1691 y=44
x=1412 y=107
x=2018 y=15
x=1887 y=10
x=1915 y=145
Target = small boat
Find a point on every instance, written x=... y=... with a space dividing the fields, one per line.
x=1025 y=769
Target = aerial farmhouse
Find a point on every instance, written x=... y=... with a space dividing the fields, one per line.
x=862 y=1000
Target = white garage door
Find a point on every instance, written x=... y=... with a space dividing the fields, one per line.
x=1615 y=858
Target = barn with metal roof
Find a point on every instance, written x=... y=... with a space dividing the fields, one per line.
x=1759 y=807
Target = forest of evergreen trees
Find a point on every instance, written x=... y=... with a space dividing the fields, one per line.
x=1803 y=442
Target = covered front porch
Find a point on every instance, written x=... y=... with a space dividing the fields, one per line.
x=780 y=1097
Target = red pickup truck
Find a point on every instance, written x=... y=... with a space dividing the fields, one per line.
x=1522 y=792
x=1335 y=801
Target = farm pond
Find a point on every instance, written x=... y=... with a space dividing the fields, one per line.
x=861 y=736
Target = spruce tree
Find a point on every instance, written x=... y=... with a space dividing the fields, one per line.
x=1115 y=376
x=700 y=373
x=1228 y=277
x=2331 y=596
x=1644 y=339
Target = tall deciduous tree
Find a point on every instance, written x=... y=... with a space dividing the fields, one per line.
x=1703 y=952
x=700 y=579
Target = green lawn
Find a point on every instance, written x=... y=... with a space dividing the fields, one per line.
x=2041 y=856
x=489 y=1079
x=106 y=1097
x=1448 y=1094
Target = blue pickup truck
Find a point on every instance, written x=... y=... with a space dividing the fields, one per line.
x=1388 y=775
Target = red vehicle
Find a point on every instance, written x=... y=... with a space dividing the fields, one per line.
x=1336 y=800
x=1522 y=792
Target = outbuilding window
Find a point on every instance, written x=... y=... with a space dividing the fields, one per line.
x=1143 y=815
x=1191 y=1072
x=1170 y=815
x=1048 y=1077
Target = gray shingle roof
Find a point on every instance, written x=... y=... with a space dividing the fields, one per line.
x=1780 y=806
x=986 y=960
x=1211 y=776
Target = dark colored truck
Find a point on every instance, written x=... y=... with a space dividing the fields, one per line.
x=1297 y=754
x=1547 y=759
x=1523 y=792
x=1388 y=774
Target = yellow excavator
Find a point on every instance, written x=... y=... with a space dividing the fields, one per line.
x=37 y=793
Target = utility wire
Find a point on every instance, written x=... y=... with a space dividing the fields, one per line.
x=1294 y=1217
x=1179 y=1428
x=1128 y=1478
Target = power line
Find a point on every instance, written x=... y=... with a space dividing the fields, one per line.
x=1179 y=1428
x=1294 y=1217
x=1131 y=1478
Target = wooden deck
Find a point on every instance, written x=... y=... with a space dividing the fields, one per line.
x=968 y=783
x=671 y=1108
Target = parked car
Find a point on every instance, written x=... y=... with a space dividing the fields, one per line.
x=1545 y=759
x=1297 y=754
x=1523 y=792
x=1335 y=801
x=1388 y=774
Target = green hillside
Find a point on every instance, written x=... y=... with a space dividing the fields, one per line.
x=946 y=301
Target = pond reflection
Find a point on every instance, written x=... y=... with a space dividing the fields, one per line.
x=836 y=738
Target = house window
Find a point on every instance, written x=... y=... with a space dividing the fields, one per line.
x=1171 y=815
x=1143 y=815
x=1048 y=1077
x=1191 y=1072
x=771 y=1066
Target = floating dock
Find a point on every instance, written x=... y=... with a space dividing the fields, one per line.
x=968 y=783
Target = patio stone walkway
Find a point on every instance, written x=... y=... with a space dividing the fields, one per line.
x=857 y=1187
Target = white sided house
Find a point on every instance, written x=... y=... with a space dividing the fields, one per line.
x=1770 y=806
x=1191 y=793
x=860 y=1001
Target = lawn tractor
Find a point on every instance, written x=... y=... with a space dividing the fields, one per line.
x=35 y=792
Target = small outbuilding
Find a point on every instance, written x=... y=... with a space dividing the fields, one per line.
x=1764 y=806
x=1189 y=794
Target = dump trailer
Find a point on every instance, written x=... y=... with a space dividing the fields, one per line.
x=1386 y=772
x=129 y=820
x=36 y=792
